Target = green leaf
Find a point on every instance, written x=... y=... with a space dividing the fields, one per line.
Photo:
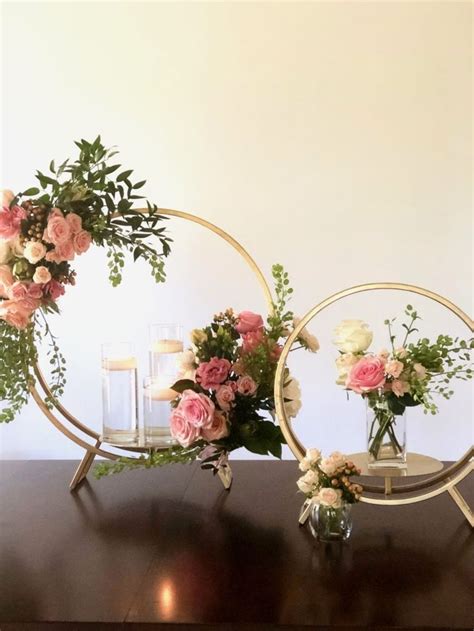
x=31 y=191
x=185 y=384
x=124 y=175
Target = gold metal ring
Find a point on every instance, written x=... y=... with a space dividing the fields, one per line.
x=70 y=418
x=461 y=468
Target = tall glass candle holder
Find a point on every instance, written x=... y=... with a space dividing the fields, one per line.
x=166 y=350
x=157 y=397
x=119 y=394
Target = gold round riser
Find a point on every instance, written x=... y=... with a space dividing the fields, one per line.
x=445 y=480
x=43 y=394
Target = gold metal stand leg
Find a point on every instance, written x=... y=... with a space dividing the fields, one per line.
x=388 y=486
x=462 y=504
x=83 y=468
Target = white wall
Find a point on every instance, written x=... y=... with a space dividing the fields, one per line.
x=335 y=138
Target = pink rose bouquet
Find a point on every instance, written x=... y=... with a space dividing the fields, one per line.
x=41 y=235
x=406 y=375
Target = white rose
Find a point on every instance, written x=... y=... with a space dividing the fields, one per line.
x=308 y=340
x=34 y=251
x=187 y=365
x=328 y=466
x=308 y=482
x=338 y=459
x=352 y=336
x=312 y=456
x=42 y=275
x=344 y=363
x=5 y=252
x=330 y=497
x=292 y=396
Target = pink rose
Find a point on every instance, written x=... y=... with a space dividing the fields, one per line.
x=27 y=295
x=196 y=408
x=246 y=386
x=75 y=222
x=58 y=231
x=10 y=221
x=34 y=251
x=55 y=212
x=276 y=352
x=394 y=368
x=184 y=432
x=54 y=289
x=252 y=340
x=248 y=322
x=15 y=314
x=7 y=197
x=42 y=275
x=225 y=396
x=330 y=497
x=81 y=241
x=18 y=291
x=367 y=375
x=6 y=280
x=212 y=373
x=65 y=251
x=218 y=428
x=399 y=388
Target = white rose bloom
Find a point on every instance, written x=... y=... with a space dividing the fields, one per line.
x=17 y=247
x=5 y=252
x=344 y=363
x=292 y=392
x=187 y=365
x=312 y=456
x=308 y=482
x=34 y=252
x=330 y=497
x=309 y=341
x=304 y=465
x=352 y=336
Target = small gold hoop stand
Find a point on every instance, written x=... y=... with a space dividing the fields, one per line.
x=445 y=480
x=93 y=450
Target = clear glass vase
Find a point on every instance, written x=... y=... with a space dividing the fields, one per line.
x=331 y=524
x=386 y=435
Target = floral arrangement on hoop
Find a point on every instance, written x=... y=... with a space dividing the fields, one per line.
x=225 y=393
x=88 y=201
x=407 y=375
x=326 y=481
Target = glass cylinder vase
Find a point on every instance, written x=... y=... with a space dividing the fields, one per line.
x=157 y=397
x=386 y=435
x=166 y=350
x=119 y=394
x=331 y=524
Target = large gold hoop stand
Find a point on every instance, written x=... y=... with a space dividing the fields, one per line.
x=63 y=424
x=444 y=481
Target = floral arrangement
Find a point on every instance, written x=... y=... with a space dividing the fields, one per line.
x=225 y=393
x=407 y=374
x=88 y=201
x=326 y=481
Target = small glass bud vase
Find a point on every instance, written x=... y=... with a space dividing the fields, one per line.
x=386 y=435
x=328 y=523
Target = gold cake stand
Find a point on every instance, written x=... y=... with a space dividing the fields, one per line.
x=86 y=437
x=444 y=479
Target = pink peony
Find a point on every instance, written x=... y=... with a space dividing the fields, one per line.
x=367 y=375
x=75 y=222
x=58 y=231
x=399 y=388
x=6 y=280
x=212 y=373
x=42 y=275
x=10 y=221
x=54 y=289
x=81 y=241
x=225 y=396
x=196 y=408
x=184 y=432
x=252 y=340
x=218 y=428
x=248 y=322
x=246 y=386
x=394 y=368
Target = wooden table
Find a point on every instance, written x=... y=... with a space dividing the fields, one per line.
x=171 y=546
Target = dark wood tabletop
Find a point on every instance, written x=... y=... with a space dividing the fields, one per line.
x=169 y=545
